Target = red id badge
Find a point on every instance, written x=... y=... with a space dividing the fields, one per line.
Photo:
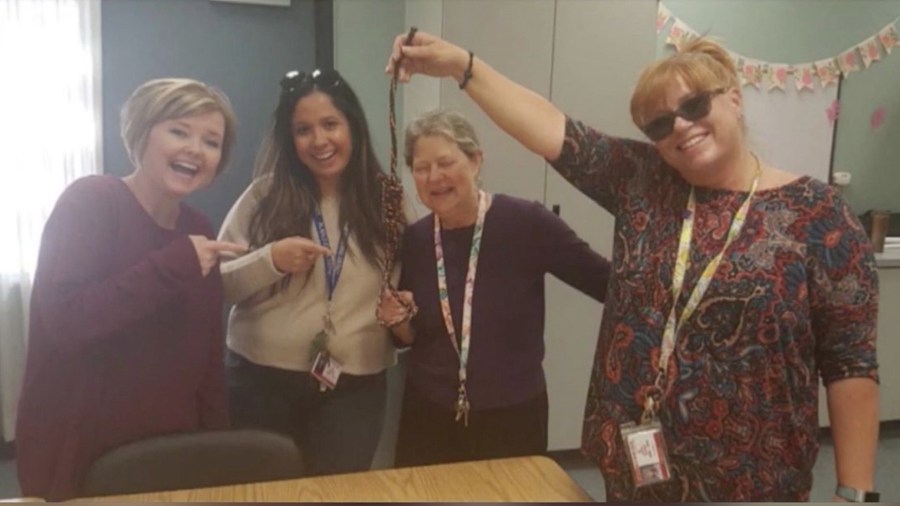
x=326 y=370
x=646 y=449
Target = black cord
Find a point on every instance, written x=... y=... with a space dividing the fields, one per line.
x=468 y=73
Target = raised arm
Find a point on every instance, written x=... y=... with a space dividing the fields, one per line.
x=528 y=117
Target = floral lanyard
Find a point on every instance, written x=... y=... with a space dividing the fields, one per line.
x=682 y=261
x=462 y=350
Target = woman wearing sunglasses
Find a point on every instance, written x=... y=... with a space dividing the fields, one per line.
x=307 y=357
x=736 y=286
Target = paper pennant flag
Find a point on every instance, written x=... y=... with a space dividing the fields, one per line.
x=680 y=34
x=803 y=77
x=848 y=61
x=777 y=74
x=833 y=112
x=877 y=118
x=869 y=51
x=663 y=15
x=751 y=72
x=888 y=37
x=828 y=72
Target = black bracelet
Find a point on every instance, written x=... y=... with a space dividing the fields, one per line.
x=468 y=73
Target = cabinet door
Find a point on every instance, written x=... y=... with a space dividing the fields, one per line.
x=516 y=38
x=600 y=48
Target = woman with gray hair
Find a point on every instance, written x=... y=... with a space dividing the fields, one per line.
x=475 y=268
x=125 y=338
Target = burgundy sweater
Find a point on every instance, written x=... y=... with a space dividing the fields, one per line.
x=125 y=337
x=521 y=242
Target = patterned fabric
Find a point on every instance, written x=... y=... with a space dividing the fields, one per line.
x=796 y=296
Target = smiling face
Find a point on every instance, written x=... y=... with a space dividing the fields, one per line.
x=445 y=179
x=182 y=155
x=322 y=137
x=696 y=149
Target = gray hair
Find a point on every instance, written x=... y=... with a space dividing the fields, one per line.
x=446 y=123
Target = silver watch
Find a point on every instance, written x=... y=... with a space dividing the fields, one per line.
x=856 y=495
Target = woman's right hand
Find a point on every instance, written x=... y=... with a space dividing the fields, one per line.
x=209 y=251
x=295 y=255
x=427 y=54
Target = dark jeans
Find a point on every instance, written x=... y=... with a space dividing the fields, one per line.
x=337 y=431
x=429 y=433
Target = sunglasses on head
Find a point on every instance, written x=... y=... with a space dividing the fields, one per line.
x=295 y=80
x=692 y=109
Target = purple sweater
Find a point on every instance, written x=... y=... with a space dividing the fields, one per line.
x=125 y=339
x=521 y=242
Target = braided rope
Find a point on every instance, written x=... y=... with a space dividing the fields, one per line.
x=392 y=197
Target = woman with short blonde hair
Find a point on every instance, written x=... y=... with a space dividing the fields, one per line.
x=125 y=337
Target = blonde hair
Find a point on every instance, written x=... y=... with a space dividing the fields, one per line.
x=702 y=64
x=444 y=122
x=159 y=100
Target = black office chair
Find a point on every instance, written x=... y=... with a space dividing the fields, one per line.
x=193 y=460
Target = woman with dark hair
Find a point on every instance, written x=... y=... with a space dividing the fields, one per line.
x=307 y=357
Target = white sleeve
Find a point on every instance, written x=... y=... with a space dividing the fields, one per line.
x=248 y=274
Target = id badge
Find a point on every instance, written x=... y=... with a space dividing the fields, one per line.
x=646 y=449
x=326 y=370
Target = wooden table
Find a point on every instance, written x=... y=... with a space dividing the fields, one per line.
x=523 y=479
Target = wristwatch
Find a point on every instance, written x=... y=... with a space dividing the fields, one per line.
x=856 y=495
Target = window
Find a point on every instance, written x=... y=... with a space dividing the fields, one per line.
x=50 y=126
x=50 y=135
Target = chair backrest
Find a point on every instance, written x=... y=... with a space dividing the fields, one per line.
x=193 y=460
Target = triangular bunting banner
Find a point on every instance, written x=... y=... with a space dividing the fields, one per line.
x=663 y=15
x=771 y=76
x=888 y=37
x=828 y=72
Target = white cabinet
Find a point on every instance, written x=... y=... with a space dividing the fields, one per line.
x=522 y=50
x=592 y=81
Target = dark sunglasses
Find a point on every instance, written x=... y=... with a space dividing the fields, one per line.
x=692 y=109
x=295 y=80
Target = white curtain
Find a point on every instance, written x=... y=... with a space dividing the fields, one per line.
x=50 y=135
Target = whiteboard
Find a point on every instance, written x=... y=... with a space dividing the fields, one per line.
x=790 y=129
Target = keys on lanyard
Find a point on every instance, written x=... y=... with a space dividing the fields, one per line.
x=462 y=405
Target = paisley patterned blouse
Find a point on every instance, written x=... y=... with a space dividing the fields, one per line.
x=795 y=297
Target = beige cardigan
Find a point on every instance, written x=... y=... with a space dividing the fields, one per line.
x=276 y=328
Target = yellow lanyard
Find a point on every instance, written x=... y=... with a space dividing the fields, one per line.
x=682 y=261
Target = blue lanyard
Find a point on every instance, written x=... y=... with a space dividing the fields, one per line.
x=335 y=263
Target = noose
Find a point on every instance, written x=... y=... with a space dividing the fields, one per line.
x=392 y=197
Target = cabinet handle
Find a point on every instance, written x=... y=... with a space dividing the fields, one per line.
x=555 y=209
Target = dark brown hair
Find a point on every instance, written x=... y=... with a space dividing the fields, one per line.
x=287 y=201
